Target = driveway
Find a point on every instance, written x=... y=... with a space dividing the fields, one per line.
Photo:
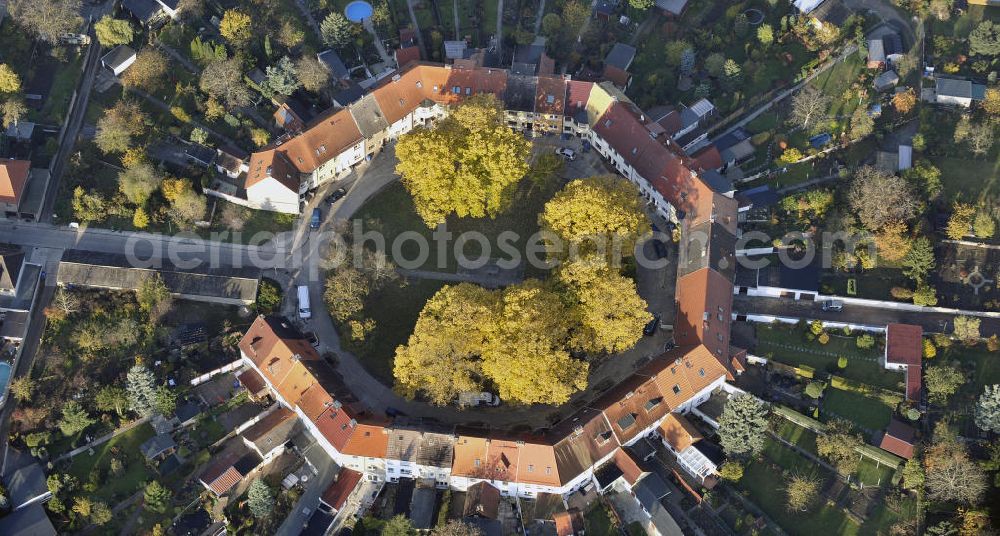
x=309 y=501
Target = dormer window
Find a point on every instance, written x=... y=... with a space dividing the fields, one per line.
x=701 y=372
x=551 y=99
x=420 y=84
x=677 y=389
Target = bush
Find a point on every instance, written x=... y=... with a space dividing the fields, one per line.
x=913 y=414
x=823 y=338
x=941 y=340
x=815 y=389
x=805 y=371
x=901 y=293
x=37 y=439
x=929 y=349
x=842 y=362
x=993 y=343
x=865 y=341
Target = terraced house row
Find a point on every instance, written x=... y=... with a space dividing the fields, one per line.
x=565 y=457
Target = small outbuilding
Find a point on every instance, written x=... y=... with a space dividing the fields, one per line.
x=119 y=59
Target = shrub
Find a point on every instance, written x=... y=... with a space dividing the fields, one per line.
x=929 y=349
x=37 y=439
x=913 y=414
x=993 y=343
x=865 y=341
x=815 y=389
x=941 y=340
x=847 y=331
x=842 y=362
x=181 y=114
x=731 y=471
x=805 y=371
x=901 y=293
x=823 y=338
x=816 y=327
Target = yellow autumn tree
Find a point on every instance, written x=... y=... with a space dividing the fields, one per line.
x=173 y=188
x=443 y=355
x=960 y=221
x=10 y=82
x=607 y=311
x=236 y=27
x=592 y=215
x=469 y=164
x=892 y=241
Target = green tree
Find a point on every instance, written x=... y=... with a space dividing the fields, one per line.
x=641 y=4
x=674 y=51
x=187 y=208
x=988 y=409
x=153 y=296
x=313 y=74
x=12 y=110
x=47 y=19
x=743 y=425
x=141 y=387
x=268 y=296
x=282 y=78
x=913 y=474
x=731 y=471
x=156 y=497
x=140 y=219
x=337 y=31
x=551 y=25
x=593 y=215
x=10 y=82
x=983 y=225
x=118 y=127
x=765 y=34
x=236 y=27
x=862 y=124
x=111 y=31
x=985 y=39
x=148 y=72
x=345 y=293
x=87 y=206
x=967 y=329
x=714 y=64
x=960 y=221
x=941 y=382
x=22 y=387
x=261 y=499
x=100 y=514
x=839 y=445
x=164 y=401
x=925 y=296
x=919 y=261
x=112 y=398
x=466 y=165
x=398 y=526
x=138 y=183
x=74 y=418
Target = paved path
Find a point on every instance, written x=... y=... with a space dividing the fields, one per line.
x=367 y=23
x=499 y=34
x=538 y=17
x=488 y=281
x=806 y=184
x=155 y=101
x=416 y=28
x=851 y=49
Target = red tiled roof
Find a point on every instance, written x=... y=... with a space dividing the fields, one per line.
x=251 y=381
x=577 y=94
x=568 y=523
x=704 y=311
x=321 y=141
x=914 y=383
x=536 y=464
x=632 y=406
x=630 y=470
x=679 y=432
x=903 y=344
x=226 y=481
x=406 y=55
x=483 y=500
x=13 y=177
x=336 y=426
x=671 y=123
x=550 y=95
x=469 y=81
x=708 y=158
x=272 y=164
x=336 y=495
x=618 y=76
x=898 y=439
x=369 y=441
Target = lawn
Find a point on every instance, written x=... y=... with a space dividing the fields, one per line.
x=802 y=437
x=124 y=447
x=766 y=488
x=862 y=365
x=985 y=364
x=867 y=412
x=872 y=473
x=787 y=458
x=836 y=82
x=395 y=310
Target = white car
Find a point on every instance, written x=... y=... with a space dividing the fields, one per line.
x=568 y=154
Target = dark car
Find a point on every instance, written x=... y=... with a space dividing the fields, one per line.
x=337 y=195
x=650 y=328
x=317 y=218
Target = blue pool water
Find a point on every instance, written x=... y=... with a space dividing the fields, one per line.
x=4 y=377
x=358 y=10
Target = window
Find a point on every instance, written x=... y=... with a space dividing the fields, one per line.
x=677 y=389
x=420 y=84
x=551 y=99
x=468 y=91
x=531 y=468
x=456 y=90
x=477 y=462
x=701 y=372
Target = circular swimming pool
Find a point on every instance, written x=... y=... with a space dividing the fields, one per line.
x=358 y=10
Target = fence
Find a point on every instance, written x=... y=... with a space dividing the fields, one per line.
x=223 y=369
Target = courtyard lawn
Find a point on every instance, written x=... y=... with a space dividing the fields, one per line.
x=785 y=345
x=766 y=489
x=395 y=310
x=787 y=458
x=866 y=412
x=124 y=447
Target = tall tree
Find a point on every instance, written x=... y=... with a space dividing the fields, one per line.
x=800 y=492
x=74 y=418
x=590 y=211
x=839 y=445
x=313 y=74
x=282 y=78
x=156 y=497
x=743 y=425
x=111 y=31
x=10 y=81
x=879 y=198
x=942 y=381
x=148 y=72
x=468 y=165
x=47 y=19
x=967 y=329
x=188 y=208
x=112 y=398
x=22 y=387
x=236 y=27
x=223 y=79
x=985 y=39
x=141 y=387
x=13 y=110
x=951 y=475
x=988 y=409
x=809 y=106
x=260 y=499
x=118 y=127
x=154 y=297
x=919 y=260
x=398 y=526
x=606 y=307
x=139 y=182
x=862 y=124
x=336 y=30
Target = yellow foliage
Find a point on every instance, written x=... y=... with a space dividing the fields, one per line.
x=235 y=26
x=606 y=305
x=173 y=188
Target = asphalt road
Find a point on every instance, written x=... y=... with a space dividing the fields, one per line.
x=932 y=322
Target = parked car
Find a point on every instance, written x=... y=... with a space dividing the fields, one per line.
x=833 y=305
x=651 y=327
x=311 y=337
x=473 y=399
x=337 y=195
x=567 y=153
x=317 y=218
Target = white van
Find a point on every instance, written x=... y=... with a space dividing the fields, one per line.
x=304 y=312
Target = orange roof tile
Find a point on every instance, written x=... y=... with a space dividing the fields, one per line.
x=321 y=141
x=537 y=465
x=630 y=470
x=679 y=432
x=470 y=457
x=568 y=523
x=314 y=401
x=271 y=164
x=704 y=311
x=684 y=371
x=336 y=426
x=550 y=95
x=13 y=177
x=337 y=494
x=407 y=55
x=904 y=344
x=632 y=406
x=367 y=440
